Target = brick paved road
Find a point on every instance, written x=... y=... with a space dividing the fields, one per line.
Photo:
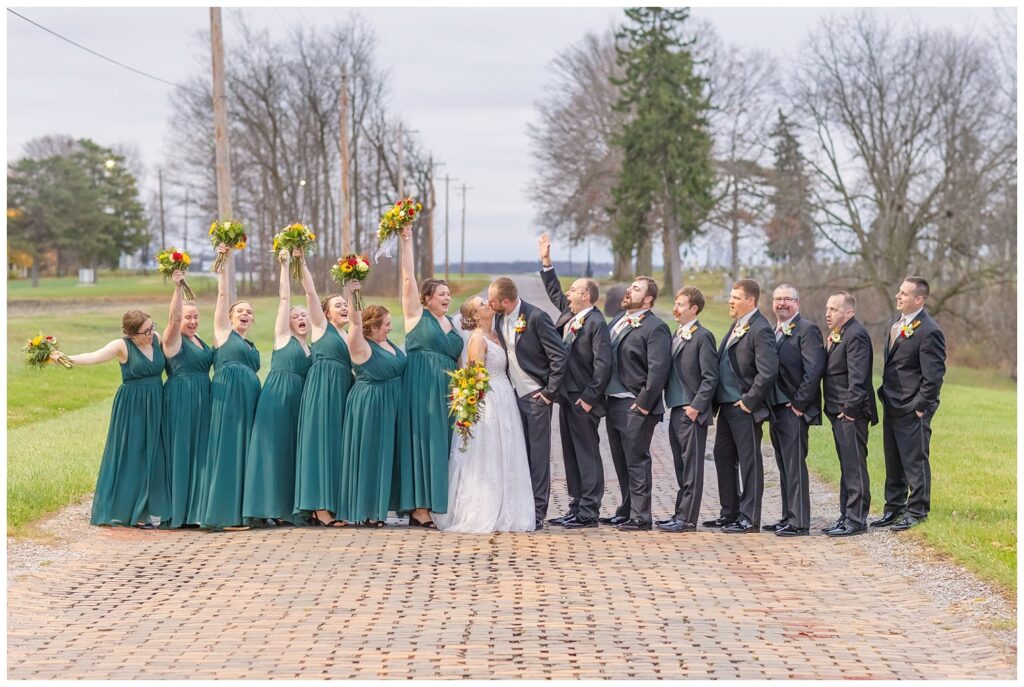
x=403 y=602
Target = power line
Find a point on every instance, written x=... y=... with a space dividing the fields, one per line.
x=93 y=52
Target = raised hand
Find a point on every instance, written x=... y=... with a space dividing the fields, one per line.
x=406 y=234
x=282 y=255
x=177 y=276
x=544 y=248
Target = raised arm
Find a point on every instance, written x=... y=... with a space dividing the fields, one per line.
x=551 y=284
x=221 y=316
x=114 y=349
x=282 y=326
x=358 y=348
x=412 y=309
x=317 y=319
x=172 y=334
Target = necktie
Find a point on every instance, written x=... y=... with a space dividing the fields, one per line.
x=778 y=332
x=678 y=343
x=894 y=333
x=620 y=325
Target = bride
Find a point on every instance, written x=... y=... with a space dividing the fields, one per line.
x=489 y=487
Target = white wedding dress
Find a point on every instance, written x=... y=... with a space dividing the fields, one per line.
x=489 y=488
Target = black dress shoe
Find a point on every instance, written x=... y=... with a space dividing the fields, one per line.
x=847 y=530
x=718 y=522
x=614 y=520
x=560 y=520
x=886 y=520
x=665 y=521
x=538 y=525
x=834 y=526
x=906 y=522
x=579 y=523
x=677 y=526
x=788 y=530
x=775 y=526
x=634 y=526
x=741 y=526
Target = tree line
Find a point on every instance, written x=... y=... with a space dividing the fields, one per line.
x=880 y=151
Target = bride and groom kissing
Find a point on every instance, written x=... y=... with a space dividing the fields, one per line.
x=592 y=370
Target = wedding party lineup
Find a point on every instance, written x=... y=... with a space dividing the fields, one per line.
x=454 y=431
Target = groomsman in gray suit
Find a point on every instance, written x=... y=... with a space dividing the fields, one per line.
x=850 y=406
x=915 y=363
x=690 y=392
x=581 y=404
x=748 y=364
x=795 y=404
x=641 y=346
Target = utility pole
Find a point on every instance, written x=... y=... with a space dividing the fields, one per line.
x=400 y=184
x=163 y=229
x=346 y=217
x=427 y=257
x=220 y=134
x=447 y=182
x=462 y=257
x=184 y=230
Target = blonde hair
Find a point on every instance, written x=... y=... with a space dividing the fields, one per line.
x=468 y=312
x=325 y=302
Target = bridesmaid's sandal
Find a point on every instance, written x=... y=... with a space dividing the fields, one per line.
x=145 y=526
x=429 y=524
x=372 y=523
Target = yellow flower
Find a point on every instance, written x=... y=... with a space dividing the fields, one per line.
x=213 y=228
x=471 y=400
x=186 y=259
x=312 y=236
x=38 y=340
x=276 y=245
x=346 y=268
x=240 y=245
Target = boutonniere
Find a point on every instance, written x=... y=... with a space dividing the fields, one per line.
x=787 y=329
x=907 y=330
x=835 y=337
x=738 y=333
x=688 y=334
x=576 y=325
x=521 y=324
x=634 y=322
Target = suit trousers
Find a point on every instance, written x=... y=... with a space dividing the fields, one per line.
x=688 y=441
x=629 y=437
x=908 y=474
x=536 y=415
x=789 y=438
x=581 y=453
x=851 y=439
x=739 y=463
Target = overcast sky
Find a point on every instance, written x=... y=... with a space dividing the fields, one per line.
x=466 y=79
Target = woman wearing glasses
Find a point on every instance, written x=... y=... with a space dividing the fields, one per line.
x=234 y=391
x=132 y=484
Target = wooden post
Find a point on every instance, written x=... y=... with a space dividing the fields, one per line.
x=184 y=229
x=346 y=210
x=220 y=130
x=163 y=228
x=447 y=180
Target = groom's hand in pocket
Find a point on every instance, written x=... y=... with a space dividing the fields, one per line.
x=639 y=409
x=583 y=404
x=542 y=397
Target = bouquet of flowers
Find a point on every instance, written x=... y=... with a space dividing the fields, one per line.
x=296 y=236
x=392 y=222
x=38 y=352
x=468 y=386
x=351 y=267
x=170 y=259
x=232 y=235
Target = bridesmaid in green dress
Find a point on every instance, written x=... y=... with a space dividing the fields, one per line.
x=424 y=438
x=234 y=392
x=186 y=407
x=370 y=436
x=322 y=411
x=269 y=493
x=132 y=485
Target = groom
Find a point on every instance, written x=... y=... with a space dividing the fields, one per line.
x=536 y=365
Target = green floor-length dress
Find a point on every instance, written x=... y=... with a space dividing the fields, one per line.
x=130 y=471
x=186 y=428
x=321 y=416
x=421 y=475
x=234 y=393
x=270 y=464
x=370 y=437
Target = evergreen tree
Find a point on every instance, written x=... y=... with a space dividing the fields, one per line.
x=790 y=230
x=667 y=176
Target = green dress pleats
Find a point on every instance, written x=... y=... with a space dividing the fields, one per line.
x=369 y=439
x=321 y=416
x=186 y=428
x=234 y=392
x=131 y=485
x=420 y=478
x=270 y=463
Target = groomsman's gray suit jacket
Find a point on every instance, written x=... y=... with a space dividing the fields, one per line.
x=914 y=368
x=694 y=374
x=755 y=363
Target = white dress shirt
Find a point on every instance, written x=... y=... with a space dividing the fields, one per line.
x=523 y=383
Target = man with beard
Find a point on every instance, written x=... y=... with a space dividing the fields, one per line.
x=641 y=348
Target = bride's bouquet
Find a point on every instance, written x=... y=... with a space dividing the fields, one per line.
x=392 y=222
x=468 y=386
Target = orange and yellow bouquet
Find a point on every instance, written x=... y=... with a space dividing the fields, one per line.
x=468 y=387
x=392 y=222
x=39 y=349
x=351 y=267
x=232 y=235
x=296 y=236
x=170 y=259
